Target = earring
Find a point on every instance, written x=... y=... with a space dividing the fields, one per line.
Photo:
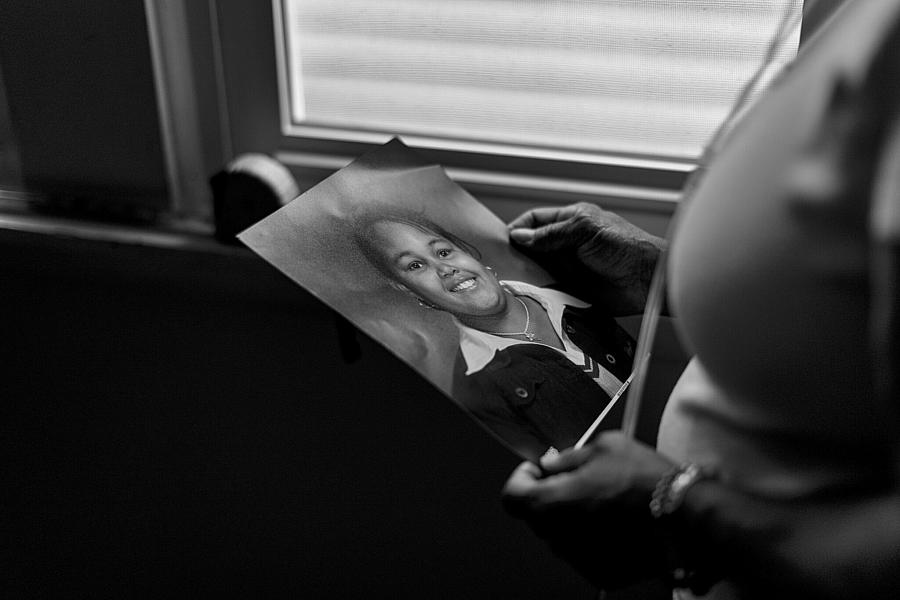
x=492 y=271
x=424 y=304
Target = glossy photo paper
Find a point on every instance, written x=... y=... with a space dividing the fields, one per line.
x=415 y=262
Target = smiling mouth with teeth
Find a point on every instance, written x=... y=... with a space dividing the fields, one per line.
x=463 y=285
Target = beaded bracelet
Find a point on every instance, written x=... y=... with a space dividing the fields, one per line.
x=668 y=495
x=672 y=487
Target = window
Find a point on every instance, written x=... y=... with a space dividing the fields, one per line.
x=648 y=77
x=522 y=101
x=535 y=100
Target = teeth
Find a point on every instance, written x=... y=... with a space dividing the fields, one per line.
x=463 y=285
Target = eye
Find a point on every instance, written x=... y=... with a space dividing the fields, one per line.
x=414 y=266
x=444 y=252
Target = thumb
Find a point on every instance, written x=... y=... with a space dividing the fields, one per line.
x=567 y=460
x=547 y=238
x=522 y=236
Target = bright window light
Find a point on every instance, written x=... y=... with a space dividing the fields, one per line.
x=644 y=77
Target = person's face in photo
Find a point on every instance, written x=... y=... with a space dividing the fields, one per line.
x=439 y=272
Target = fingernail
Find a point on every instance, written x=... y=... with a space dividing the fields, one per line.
x=549 y=457
x=521 y=235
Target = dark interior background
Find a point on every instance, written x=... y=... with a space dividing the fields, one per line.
x=176 y=417
x=184 y=421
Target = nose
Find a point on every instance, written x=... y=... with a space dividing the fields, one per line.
x=446 y=270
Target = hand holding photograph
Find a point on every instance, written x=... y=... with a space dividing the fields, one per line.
x=415 y=262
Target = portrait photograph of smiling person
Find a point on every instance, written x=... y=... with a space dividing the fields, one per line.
x=526 y=366
x=415 y=262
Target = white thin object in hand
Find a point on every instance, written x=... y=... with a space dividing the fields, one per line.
x=612 y=402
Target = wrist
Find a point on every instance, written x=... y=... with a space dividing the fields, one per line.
x=683 y=564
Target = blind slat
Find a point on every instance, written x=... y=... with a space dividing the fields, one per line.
x=648 y=76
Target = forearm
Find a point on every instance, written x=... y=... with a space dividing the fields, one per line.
x=835 y=549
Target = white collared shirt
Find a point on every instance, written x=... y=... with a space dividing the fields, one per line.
x=478 y=348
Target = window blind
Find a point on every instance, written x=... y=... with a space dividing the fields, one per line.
x=645 y=77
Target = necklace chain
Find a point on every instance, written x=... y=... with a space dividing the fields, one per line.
x=528 y=335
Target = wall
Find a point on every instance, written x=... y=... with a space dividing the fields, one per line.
x=79 y=82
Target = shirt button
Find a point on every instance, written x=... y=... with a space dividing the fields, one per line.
x=570 y=329
x=611 y=359
x=521 y=392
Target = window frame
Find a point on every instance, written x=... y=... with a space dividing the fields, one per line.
x=253 y=84
x=217 y=89
x=248 y=35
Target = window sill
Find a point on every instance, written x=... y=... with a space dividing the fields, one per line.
x=180 y=257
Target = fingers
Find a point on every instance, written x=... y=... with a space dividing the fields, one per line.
x=547 y=238
x=519 y=492
x=538 y=497
x=531 y=495
x=567 y=460
x=522 y=236
x=539 y=217
x=554 y=229
x=573 y=458
x=523 y=477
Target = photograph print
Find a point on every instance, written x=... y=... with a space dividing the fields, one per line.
x=410 y=258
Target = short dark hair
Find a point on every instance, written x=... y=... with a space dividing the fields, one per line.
x=365 y=239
